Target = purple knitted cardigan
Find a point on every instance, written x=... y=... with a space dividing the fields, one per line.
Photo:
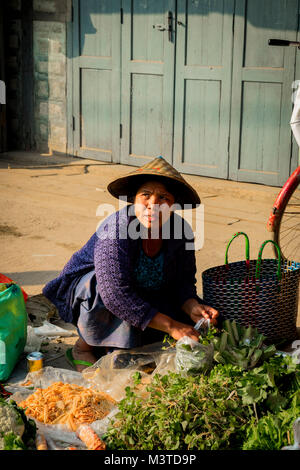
x=113 y=256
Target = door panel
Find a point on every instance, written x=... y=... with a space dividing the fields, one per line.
x=203 y=83
x=96 y=76
x=204 y=31
x=147 y=43
x=259 y=126
x=96 y=121
x=202 y=122
x=260 y=148
x=147 y=81
x=146 y=114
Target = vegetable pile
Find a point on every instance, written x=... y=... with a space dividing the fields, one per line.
x=241 y=346
x=16 y=431
x=248 y=400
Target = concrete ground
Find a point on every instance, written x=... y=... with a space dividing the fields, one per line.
x=50 y=208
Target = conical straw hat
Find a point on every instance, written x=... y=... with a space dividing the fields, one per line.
x=158 y=169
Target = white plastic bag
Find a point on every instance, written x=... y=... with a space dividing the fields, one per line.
x=33 y=342
x=59 y=433
x=192 y=357
x=295 y=118
x=116 y=371
x=50 y=330
x=59 y=436
x=43 y=378
x=203 y=324
x=101 y=425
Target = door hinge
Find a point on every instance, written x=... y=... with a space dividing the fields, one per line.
x=121 y=131
x=121 y=15
x=73 y=123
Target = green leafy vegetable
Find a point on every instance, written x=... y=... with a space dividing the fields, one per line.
x=13 y=442
x=16 y=430
x=230 y=408
x=179 y=413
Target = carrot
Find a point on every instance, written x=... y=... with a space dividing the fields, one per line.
x=90 y=438
x=40 y=442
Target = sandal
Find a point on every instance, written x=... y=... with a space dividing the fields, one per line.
x=76 y=362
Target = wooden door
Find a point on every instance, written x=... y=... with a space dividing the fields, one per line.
x=148 y=53
x=260 y=138
x=203 y=86
x=96 y=79
x=213 y=98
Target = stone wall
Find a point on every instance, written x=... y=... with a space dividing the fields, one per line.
x=2 y=84
x=37 y=109
x=50 y=74
x=50 y=85
x=13 y=74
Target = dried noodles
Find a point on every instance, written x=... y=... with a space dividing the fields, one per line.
x=68 y=404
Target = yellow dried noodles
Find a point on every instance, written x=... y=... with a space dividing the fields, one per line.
x=68 y=404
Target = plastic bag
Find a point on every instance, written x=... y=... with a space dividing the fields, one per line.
x=43 y=378
x=7 y=280
x=116 y=371
x=33 y=342
x=35 y=336
x=101 y=425
x=60 y=437
x=49 y=330
x=13 y=328
x=203 y=324
x=192 y=357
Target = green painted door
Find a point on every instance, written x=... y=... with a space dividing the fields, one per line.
x=213 y=98
x=260 y=135
x=203 y=86
x=96 y=79
x=148 y=55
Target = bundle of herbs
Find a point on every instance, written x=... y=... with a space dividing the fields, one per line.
x=230 y=408
x=241 y=346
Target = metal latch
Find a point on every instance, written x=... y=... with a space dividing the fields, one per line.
x=160 y=27
x=163 y=27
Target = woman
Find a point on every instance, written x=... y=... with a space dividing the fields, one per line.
x=134 y=280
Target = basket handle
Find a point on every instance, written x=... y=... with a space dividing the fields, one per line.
x=247 y=246
x=259 y=259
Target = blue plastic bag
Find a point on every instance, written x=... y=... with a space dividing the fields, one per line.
x=13 y=327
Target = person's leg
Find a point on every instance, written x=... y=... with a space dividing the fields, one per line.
x=83 y=352
x=100 y=332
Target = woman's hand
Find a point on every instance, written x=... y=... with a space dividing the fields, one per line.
x=197 y=311
x=205 y=311
x=178 y=330
x=174 y=328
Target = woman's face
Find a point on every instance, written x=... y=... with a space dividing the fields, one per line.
x=152 y=204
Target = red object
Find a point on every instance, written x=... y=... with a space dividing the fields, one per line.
x=4 y=393
x=283 y=199
x=5 y=279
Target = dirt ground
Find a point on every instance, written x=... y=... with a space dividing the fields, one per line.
x=50 y=208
